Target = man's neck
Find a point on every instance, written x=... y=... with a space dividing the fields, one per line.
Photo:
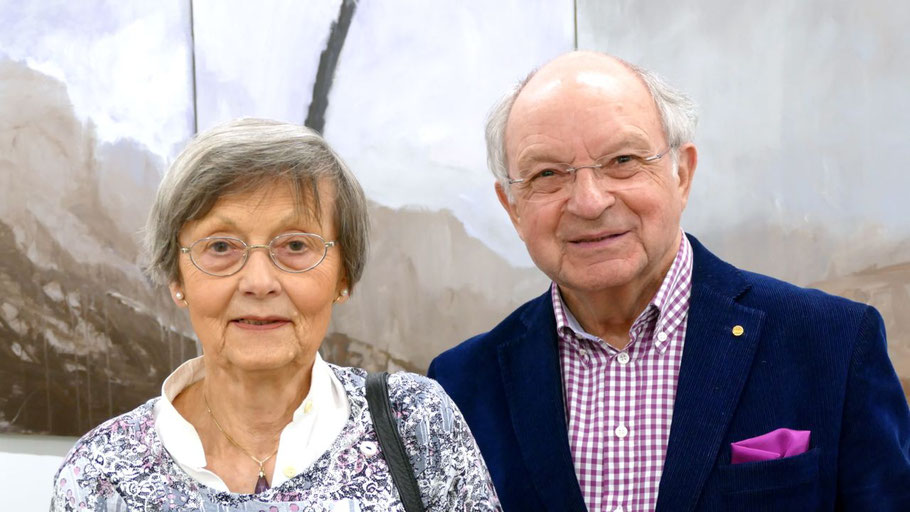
x=610 y=313
x=609 y=316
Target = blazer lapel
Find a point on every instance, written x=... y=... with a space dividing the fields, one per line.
x=530 y=372
x=716 y=360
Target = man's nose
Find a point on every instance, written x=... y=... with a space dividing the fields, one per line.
x=589 y=196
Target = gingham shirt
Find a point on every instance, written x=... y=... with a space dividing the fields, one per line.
x=619 y=404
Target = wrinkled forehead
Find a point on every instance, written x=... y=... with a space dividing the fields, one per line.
x=579 y=79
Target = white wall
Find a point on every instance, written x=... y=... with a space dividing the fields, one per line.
x=27 y=468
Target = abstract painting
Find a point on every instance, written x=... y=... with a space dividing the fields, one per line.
x=804 y=117
x=96 y=98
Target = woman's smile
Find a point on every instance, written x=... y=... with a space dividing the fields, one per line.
x=253 y=323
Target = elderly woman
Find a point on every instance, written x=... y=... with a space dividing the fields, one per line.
x=259 y=230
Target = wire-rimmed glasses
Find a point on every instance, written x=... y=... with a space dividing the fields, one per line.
x=547 y=181
x=222 y=256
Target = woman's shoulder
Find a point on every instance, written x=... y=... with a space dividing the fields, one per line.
x=131 y=430
x=449 y=469
x=114 y=451
x=408 y=392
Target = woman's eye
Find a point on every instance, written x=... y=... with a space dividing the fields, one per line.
x=296 y=245
x=220 y=246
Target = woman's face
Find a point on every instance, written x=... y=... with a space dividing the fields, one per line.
x=261 y=318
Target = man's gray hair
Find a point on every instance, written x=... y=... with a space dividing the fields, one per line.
x=678 y=117
x=241 y=156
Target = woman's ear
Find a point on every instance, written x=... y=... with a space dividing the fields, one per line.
x=177 y=295
x=342 y=291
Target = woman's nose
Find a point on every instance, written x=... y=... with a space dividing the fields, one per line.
x=259 y=276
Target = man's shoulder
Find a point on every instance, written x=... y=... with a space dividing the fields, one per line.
x=767 y=293
x=482 y=345
x=775 y=295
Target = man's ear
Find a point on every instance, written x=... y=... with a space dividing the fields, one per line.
x=510 y=207
x=687 y=160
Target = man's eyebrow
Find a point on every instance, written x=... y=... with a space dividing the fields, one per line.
x=631 y=140
x=531 y=157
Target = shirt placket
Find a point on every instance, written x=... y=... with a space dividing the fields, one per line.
x=619 y=431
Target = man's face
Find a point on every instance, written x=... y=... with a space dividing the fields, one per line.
x=605 y=233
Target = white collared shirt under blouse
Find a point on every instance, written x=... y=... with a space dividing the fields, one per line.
x=316 y=423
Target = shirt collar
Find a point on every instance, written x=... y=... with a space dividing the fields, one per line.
x=299 y=445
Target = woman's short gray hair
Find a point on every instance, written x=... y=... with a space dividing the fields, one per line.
x=678 y=117
x=242 y=155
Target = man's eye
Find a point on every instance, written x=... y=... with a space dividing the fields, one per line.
x=624 y=159
x=546 y=173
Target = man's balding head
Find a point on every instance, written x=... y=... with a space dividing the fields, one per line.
x=678 y=116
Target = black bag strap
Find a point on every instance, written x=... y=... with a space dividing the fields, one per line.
x=390 y=441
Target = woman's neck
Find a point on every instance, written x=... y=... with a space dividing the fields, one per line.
x=255 y=406
x=240 y=415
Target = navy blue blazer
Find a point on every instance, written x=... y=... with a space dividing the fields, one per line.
x=806 y=361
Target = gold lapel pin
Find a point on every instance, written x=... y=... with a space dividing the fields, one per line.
x=738 y=330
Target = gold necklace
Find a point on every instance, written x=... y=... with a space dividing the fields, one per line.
x=261 y=484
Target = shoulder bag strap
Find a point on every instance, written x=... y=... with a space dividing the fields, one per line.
x=390 y=441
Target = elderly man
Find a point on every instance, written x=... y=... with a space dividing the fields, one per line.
x=652 y=375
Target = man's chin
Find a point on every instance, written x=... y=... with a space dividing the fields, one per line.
x=603 y=277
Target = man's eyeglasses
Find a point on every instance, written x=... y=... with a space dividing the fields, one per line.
x=224 y=256
x=544 y=181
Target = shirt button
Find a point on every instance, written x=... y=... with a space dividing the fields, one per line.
x=661 y=336
x=623 y=358
x=289 y=471
x=307 y=407
x=621 y=431
x=618 y=509
x=583 y=352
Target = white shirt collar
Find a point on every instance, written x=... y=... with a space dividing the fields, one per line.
x=316 y=423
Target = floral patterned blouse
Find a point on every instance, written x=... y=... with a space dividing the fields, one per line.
x=121 y=465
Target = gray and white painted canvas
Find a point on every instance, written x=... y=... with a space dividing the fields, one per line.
x=799 y=175
x=98 y=98
x=804 y=121
x=405 y=106
x=95 y=98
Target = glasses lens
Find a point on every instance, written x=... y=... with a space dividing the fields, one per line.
x=549 y=181
x=298 y=251
x=218 y=256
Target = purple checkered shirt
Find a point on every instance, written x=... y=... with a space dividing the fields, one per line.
x=619 y=404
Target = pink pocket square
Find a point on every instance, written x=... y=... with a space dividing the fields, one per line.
x=776 y=444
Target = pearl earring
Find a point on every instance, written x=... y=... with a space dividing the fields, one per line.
x=178 y=295
x=341 y=296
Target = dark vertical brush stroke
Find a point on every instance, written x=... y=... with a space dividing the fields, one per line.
x=575 y=23
x=193 y=61
x=315 y=118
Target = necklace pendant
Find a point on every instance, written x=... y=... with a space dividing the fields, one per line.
x=262 y=484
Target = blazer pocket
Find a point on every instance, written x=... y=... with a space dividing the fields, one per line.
x=790 y=483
